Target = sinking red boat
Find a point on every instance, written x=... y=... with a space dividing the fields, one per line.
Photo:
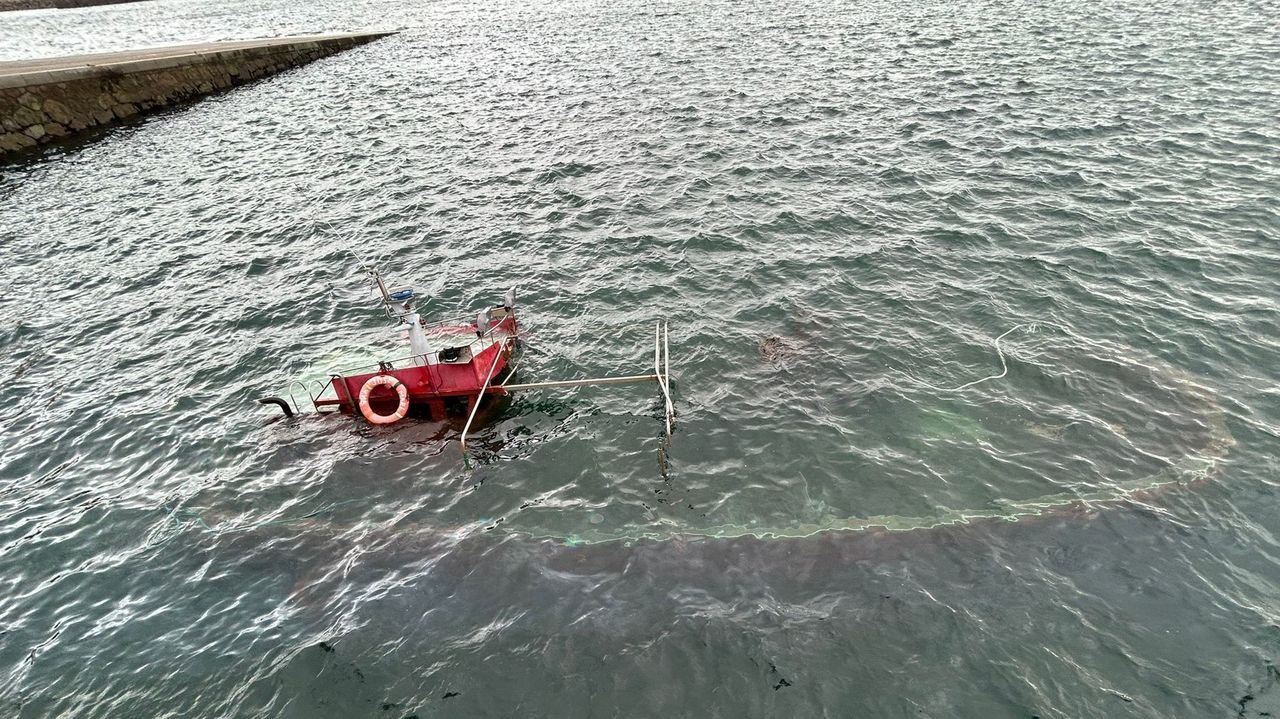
x=450 y=364
x=450 y=367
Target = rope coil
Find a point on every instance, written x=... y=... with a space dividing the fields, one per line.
x=1004 y=366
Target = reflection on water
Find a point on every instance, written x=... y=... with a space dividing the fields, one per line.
x=824 y=201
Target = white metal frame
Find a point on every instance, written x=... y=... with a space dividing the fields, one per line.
x=661 y=375
x=476 y=408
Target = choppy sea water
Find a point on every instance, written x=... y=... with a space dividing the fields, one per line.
x=838 y=207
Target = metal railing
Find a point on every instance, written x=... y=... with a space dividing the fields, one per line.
x=321 y=388
x=432 y=358
x=476 y=408
x=662 y=352
x=661 y=375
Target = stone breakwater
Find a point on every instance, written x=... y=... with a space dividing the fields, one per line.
x=42 y=101
x=47 y=4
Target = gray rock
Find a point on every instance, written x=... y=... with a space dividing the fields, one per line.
x=58 y=112
x=15 y=141
x=25 y=117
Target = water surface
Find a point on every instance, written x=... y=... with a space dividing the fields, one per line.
x=838 y=207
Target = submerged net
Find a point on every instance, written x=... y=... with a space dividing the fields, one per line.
x=1201 y=452
x=1199 y=459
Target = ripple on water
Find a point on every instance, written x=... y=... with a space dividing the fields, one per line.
x=826 y=202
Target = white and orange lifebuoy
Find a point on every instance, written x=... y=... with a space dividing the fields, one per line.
x=383 y=380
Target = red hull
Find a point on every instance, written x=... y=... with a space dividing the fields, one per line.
x=438 y=387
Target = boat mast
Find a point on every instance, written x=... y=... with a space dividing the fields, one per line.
x=398 y=304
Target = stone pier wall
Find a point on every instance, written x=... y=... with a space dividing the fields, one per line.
x=42 y=101
x=46 y=4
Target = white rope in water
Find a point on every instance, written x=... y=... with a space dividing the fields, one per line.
x=1004 y=366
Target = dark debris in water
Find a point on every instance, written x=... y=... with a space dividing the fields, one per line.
x=782 y=681
x=779 y=351
x=1264 y=701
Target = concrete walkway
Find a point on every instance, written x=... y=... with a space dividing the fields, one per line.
x=8 y=5
x=15 y=73
x=44 y=99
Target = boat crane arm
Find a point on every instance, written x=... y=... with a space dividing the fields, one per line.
x=398 y=302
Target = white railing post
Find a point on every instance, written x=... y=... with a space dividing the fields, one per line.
x=467 y=427
x=666 y=373
x=661 y=375
x=658 y=361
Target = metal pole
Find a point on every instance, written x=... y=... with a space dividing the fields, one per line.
x=657 y=350
x=463 y=439
x=633 y=379
x=666 y=353
x=666 y=372
x=377 y=281
x=657 y=369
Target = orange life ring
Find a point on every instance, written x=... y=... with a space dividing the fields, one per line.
x=383 y=380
